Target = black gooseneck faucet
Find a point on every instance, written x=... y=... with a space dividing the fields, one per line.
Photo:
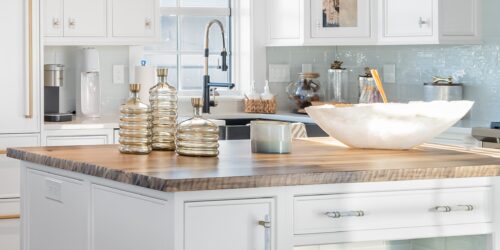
x=207 y=103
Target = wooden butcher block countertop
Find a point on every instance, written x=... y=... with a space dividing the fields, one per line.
x=313 y=161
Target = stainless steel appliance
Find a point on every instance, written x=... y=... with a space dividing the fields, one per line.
x=53 y=81
x=489 y=137
x=443 y=89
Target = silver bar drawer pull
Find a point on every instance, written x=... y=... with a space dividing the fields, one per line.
x=448 y=209
x=266 y=223
x=336 y=214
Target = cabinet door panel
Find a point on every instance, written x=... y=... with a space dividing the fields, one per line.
x=15 y=72
x=140 y=222
x=53 y=17
x=9 y=234
x=284 y=19
x=85 y=18
x=350 y=18
x=459 y=17
x=408 y=18
x=134 y=18
x=228 y=225
x=59 y=218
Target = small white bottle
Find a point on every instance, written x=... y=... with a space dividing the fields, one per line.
x=253 y=95
x=267 y=95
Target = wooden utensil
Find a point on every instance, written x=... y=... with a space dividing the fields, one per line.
x=380 y=87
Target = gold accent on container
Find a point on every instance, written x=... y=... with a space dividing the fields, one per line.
x=10 y=216
x=197 y=136
x=163 y=100
x=29 y=114
x=3 y=152
x=135 y=124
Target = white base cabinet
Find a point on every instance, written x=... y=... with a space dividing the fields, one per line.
x=75 y=137
x=67 y=210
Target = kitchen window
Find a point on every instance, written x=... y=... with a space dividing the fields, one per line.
x=181 y=48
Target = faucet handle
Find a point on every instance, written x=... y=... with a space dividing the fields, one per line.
x=214 y=93
x=218 y=64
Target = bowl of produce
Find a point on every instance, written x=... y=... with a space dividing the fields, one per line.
x=388 y=125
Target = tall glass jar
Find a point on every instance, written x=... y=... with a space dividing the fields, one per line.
x=163 y=100
x=135 y=124
x=197 y=136
x=337 y=89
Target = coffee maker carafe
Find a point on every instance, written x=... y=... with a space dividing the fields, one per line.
x=53 y=81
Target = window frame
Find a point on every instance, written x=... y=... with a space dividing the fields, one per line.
x=224 y=12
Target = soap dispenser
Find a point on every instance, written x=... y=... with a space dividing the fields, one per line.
x=252 y=95
x=267 y=95
x=197 y=136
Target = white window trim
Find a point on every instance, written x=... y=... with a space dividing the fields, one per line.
x=248 y=46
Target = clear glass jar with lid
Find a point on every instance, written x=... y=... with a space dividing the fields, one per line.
x=197 y=136
x=305 y=91
x=163 y=100
x=135 y=124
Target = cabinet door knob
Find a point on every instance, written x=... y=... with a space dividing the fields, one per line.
x=422 y=22
x=55 y=22
x=448 y=209
x=266 y=223
x=148 y=23
x=71 y=23
x=337 y=214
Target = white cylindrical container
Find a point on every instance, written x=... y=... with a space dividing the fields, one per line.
x=271 y=137
x=90 y=87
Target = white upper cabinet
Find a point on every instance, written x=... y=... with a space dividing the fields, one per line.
x=85 y=18
x=133 y=18
x=408 y=18
x=101 y=22
x=429 y=22
x=371 y=22
x=285 y=22
x=53 y=18
x=19 y=95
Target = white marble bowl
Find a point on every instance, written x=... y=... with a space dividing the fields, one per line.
x=388 y=126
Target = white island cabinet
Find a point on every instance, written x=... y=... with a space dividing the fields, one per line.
x=67 y=210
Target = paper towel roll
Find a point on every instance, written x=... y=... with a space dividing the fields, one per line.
x=146 y=76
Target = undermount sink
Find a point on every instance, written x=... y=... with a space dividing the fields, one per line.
x=388 y=126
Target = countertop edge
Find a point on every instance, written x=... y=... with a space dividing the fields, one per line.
x=256 y=181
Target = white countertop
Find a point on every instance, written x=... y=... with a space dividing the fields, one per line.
x=112 y=121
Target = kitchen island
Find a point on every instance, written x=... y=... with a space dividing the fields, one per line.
x=93 y=197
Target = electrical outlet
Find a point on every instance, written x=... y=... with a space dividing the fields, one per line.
x=279 y=73
x=118 y=74
x=53 y=189
x=389 y=73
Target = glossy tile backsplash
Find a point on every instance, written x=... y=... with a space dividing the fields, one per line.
x=477 y=66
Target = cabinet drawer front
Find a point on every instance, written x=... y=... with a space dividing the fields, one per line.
x=365 y=211
x=9 y=208
x=76 y=140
